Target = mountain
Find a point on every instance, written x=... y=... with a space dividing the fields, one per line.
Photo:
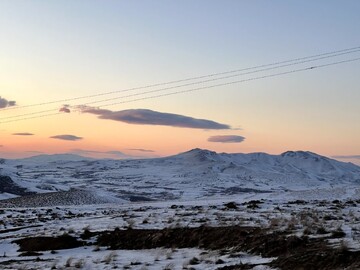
x=291 y=169
x=54 y=158
x=190 y=175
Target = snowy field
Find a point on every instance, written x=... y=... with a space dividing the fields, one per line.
x=196 y=210
x=335 y=222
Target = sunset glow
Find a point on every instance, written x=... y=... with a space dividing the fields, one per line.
x=53 y=51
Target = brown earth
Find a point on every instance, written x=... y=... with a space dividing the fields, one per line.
x=43 y=243
x=291 y=252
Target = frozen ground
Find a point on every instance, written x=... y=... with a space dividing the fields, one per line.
x=195 y=210
x=336 y=222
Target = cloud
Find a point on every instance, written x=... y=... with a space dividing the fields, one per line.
x=66 y=137
x=23 y=134
x=347 y=157
x=149 y=117
x=141 y=150
x=65 y=108
x=6 y=103
x=227 y=139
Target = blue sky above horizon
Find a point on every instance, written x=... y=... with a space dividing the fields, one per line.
x=60 y=49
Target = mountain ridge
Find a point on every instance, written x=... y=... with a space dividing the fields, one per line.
x=189 y=175
x=198 y=151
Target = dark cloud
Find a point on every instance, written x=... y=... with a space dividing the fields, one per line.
x=149 y=117
x=23 y=134
x=65 y=108
x=141 y=150
x=6 y=103
x=66 y=137
x=347 y=157
x=227 y=139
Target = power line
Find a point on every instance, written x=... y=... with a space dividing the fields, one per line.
x=39 y=116
x=207 y=87
x=205 y=81
x=190 y=84
x=235 y=82
x=349 y=50
x=26 y=114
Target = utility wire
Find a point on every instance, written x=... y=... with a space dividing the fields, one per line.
x=189 y=84
x=201 y=82
x=206 y=87
x=234 y=82
x=349 y=50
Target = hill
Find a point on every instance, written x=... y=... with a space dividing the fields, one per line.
x=194 y=174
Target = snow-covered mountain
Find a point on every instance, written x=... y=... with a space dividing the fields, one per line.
x=55 y=158
x=193 y=174
x=293 y=166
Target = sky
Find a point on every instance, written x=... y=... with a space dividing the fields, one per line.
x=62 y=50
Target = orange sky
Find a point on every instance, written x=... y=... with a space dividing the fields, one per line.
x=52 y=51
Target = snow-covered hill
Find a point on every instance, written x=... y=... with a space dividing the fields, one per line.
x=55 y=158
x=292 y=166
x=194 y=174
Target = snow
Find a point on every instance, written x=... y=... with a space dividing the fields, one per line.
x=191 y=175
x=185 y=190
x=49 y=221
